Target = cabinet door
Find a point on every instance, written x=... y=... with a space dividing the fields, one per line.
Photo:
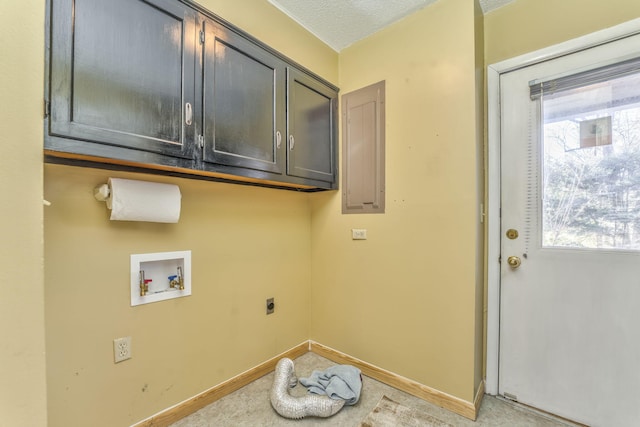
x=244 y=89
x=311 y=141
x=122 y=74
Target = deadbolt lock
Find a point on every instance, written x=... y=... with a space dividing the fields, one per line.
x=512 y=234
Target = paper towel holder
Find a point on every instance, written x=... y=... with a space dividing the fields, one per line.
x=102 y=192
x=136 y=200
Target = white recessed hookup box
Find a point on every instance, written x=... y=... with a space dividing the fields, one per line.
x=160 y=276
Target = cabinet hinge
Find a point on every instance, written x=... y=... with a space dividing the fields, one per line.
x=47 y=108
x=201 y=37
x=200 y=141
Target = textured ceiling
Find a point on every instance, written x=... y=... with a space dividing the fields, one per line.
x=340 y=23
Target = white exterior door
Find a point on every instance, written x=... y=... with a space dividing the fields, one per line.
x=569 y=340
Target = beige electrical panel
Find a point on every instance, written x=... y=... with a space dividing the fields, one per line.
x=363 y=150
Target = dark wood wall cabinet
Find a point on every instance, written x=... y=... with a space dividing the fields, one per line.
x=165 y=86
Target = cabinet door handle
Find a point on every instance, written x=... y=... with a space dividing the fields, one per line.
x=292 y=142
x=278 y=139
x=188 y=114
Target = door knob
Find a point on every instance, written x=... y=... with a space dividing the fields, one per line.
x=514 y=261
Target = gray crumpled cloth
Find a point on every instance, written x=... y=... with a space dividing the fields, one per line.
x=338 y=382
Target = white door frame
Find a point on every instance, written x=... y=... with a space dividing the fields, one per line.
x=493 y=172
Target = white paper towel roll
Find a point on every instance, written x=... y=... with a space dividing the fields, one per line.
x=131 y=200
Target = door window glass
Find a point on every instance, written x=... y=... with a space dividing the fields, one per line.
x=591 y=166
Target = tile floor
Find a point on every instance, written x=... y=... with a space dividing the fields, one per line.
x=250 y=406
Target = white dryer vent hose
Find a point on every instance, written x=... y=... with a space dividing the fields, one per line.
x=310 y=405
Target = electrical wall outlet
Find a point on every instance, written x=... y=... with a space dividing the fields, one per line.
x=359 y=233
x=121 y=349
x=271 y=305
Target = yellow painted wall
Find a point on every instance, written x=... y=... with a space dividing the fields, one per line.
x=22 y=358
x=528 y=25
x=407 y=298
x=247 y=244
